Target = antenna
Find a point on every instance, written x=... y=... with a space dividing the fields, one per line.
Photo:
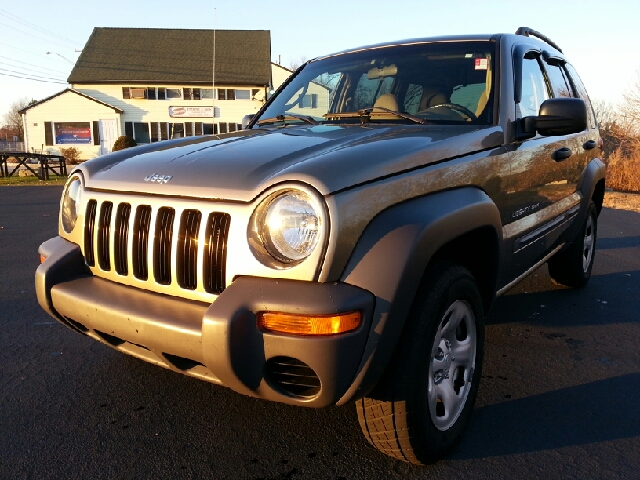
x=213 y=73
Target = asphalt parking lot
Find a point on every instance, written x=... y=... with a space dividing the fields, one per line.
x=560 y=395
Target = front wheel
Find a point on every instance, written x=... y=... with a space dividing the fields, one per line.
x=572 y=267
x=421 y=406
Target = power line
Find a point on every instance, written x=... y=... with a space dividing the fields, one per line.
x=42 y=30
x=47 y=70
x=48 y=40
x=29 y=71
x=31 y=53
x=29 y=78
x=31 y=74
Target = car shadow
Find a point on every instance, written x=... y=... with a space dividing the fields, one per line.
x=600 y=411
x=621 y=242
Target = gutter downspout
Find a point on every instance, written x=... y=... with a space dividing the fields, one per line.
x=25 y=133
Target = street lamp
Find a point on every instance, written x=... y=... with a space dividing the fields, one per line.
x=56 y=53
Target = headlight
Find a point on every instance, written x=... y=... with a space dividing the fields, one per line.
x=289 y=225
x=71 y=204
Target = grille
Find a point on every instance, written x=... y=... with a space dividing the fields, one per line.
x=90 y=225
x=215 y=258
x=188 y=249
x=104 y=232
x=122 y=238
x=142 y=225
x=162 y=245
x=292 y=376
x=133 y=234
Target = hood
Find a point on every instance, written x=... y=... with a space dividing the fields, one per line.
x=239 y=166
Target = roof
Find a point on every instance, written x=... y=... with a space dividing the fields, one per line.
x=162 y=55
x=70 y=90
x=412 y=41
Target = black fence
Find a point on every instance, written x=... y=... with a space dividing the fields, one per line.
x=39 y=164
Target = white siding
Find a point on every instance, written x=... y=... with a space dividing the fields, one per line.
x=279 y=74
x=143 y=110
x=68 y=107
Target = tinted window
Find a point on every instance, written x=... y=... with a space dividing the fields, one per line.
x=174 y=93
x=534 y=88
x=421 y=79
x=582 y=93
x=412 y=98
x=558 y=81
x=141 y=132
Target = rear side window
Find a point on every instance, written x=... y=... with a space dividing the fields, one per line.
x=581 y=93
x=558 y=80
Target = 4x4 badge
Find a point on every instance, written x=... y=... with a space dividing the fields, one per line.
x=154 y=177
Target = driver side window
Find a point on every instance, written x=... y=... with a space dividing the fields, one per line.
x=534 y=88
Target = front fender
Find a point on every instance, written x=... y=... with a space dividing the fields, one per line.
x=390 y=260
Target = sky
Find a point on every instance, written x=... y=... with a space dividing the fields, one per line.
x=601 y=39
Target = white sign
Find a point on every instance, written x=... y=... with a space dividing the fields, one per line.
x=194 y=112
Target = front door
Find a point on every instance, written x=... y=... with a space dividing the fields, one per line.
x=108 y=135
x=542 y=187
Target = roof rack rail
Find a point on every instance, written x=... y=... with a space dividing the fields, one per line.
x=529 y=32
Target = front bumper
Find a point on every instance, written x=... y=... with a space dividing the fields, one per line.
x=218 y=342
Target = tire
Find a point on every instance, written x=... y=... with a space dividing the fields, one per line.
x=421 y=406
x=572 y=267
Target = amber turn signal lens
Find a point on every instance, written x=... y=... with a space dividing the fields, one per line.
x=42 y=258
x=309 y=324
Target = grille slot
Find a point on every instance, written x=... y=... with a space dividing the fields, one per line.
x=162 y=245
x=187 y=263
x=215 y=254
x=104 y=232
x=122 y=238
x=141 y=228
x=292 y=377
x=90 y=225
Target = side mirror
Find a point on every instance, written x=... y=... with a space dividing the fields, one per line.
x=246 y=120
x=558 y=116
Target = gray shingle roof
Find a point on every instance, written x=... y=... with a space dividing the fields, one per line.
x=158 y=55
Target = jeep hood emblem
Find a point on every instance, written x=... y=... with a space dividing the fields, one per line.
x=154 y=177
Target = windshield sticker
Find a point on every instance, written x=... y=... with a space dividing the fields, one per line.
x=481 y=64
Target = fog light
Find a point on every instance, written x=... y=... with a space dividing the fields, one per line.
x=309 y=324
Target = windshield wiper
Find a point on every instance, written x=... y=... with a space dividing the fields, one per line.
x=288 y=116
x=365 y=114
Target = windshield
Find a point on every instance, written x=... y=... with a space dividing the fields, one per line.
x=430 y=83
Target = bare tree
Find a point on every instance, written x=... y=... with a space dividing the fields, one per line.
x=631 y=104
x=294 y=63
x=617 y=125
x=13 y=118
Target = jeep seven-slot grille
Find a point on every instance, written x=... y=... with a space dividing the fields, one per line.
x=134 y=236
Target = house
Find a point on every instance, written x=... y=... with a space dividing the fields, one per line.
x=155 y=84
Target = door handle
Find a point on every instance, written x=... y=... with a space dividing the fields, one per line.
x=562 y=154
x=590 y=144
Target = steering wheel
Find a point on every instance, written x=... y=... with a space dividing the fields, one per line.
x=459 y=109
